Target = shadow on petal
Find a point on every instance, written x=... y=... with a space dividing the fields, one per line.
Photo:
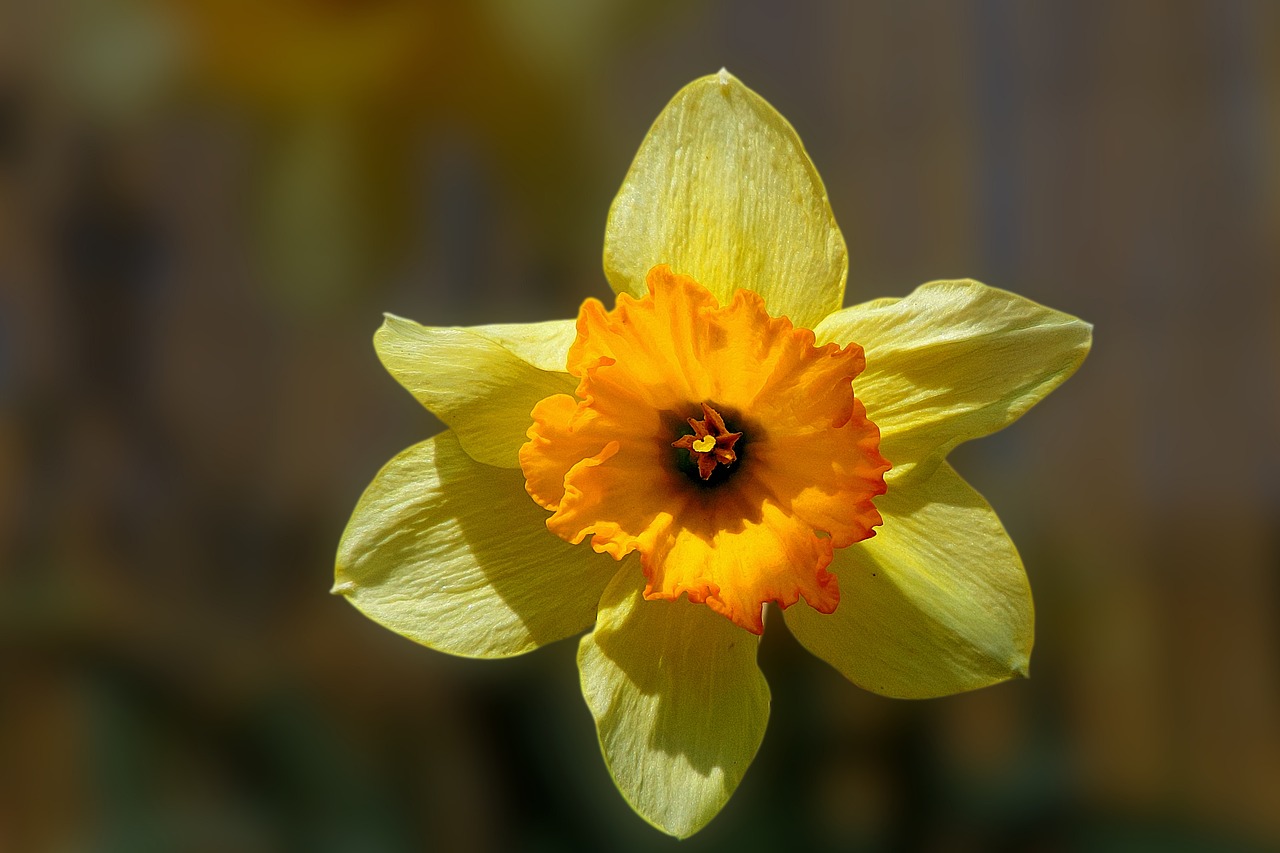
x=455 y=555
x=680 y=705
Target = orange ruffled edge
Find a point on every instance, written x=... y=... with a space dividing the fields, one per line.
x=810 y=464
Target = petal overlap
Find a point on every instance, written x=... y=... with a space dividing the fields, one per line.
x=481 y=381
x=937 y=602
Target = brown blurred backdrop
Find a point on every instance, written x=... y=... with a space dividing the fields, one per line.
x=206 y=204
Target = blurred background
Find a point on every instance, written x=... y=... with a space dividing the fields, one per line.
x=205 y=205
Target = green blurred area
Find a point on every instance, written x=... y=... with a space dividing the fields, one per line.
x=205 y=207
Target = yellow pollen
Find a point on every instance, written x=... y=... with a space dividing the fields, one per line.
x=704 y=444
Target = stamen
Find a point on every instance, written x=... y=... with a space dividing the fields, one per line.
x=711 y=443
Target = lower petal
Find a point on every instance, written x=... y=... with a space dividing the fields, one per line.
x=679 y=703
x=453 y=554
x=937 y=602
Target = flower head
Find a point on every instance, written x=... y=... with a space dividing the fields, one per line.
x=724 y=437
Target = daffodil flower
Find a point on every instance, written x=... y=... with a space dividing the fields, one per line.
x=726 y=436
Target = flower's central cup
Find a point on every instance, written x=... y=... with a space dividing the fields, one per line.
x=624 y=462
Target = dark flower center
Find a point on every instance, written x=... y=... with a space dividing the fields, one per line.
x=710 y=450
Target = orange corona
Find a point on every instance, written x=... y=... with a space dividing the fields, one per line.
x=738 y=507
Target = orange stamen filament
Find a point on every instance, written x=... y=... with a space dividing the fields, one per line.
x=711 y=443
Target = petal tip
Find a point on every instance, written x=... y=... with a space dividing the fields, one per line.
x=392 y=323
x=343 y=588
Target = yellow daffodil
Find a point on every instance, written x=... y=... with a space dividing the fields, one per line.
x=727 y=435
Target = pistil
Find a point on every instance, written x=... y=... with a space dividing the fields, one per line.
x=711 y=443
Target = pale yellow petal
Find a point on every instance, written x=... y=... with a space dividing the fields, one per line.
x=937 y=602
x=482 y=381
x=679 y=703
x=454 y=555
x=723 y=191
x=955 y=360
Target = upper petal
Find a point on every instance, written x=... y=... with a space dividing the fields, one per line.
x=679 y=703
x=937 y=602
x=955 y=360
x=454 y=555
x=723 y=190
x=481 y=381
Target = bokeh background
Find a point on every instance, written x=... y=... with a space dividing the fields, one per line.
x=205 y=205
